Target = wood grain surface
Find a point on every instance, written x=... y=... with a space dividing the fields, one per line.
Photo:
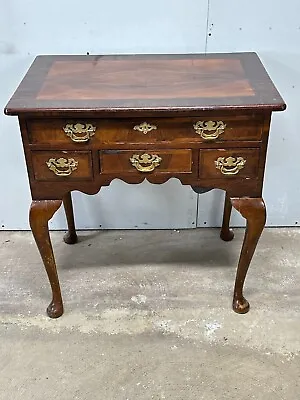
x=113 y=95
x=172 y=161
x=139 y=83
x=122 y=130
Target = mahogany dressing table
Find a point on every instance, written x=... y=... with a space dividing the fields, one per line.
x=203 y=119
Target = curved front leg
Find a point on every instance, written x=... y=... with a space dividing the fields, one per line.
x=254 y=211
x=41 y=211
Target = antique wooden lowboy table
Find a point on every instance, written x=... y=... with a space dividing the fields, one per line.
x=203 y=119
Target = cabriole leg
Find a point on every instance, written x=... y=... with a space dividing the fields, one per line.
x=41 y=211
x=254 y=211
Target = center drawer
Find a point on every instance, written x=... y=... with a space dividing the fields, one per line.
x=95 y=132
x=145 y=161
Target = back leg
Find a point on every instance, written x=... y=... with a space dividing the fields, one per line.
x=226 y=233
x=71 y=236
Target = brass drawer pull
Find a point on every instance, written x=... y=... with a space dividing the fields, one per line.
x=62 y=166
x=145 y=162
x=230 y=165
x=209 y=130
x=80 y=132
x=145 y=127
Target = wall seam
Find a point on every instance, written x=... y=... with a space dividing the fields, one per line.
x=197 y=210
x=207 y=24
x=205 y=51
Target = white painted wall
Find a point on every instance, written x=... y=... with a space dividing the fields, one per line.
x=272 y=29
x=32 y=27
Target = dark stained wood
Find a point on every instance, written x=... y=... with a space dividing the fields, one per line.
x=71 y=236
x=207 y=167
x=254 y=211
x=51 y=190
x=40 y=213
x=226 y=233
x=172 y=92
x=136 y=83
x=121 y=131
x=43 y=173
x=172 y=161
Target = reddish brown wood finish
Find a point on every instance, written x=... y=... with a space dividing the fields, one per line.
x=172 y=92
x=57 y=85
x=172 y=161
x=207 y=168
x=133 y=75
x=71 y=236
x=254 y=211
x=226 y=233
x=121 y=131
x=43 y=173
x=39 y=215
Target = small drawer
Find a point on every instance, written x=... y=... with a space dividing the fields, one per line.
x=229 y=163
x=60 y=131
x=61 y=165
x=146 y=161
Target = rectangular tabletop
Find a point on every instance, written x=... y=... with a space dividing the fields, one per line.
x=136 y=83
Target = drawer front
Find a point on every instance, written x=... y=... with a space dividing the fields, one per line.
x=60 y=131
x=61 y=165
x=126 y=131
x=179 y=131
x=146 y=161
x=229 y=163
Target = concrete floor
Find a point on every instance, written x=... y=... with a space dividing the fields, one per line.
x=148 y=316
